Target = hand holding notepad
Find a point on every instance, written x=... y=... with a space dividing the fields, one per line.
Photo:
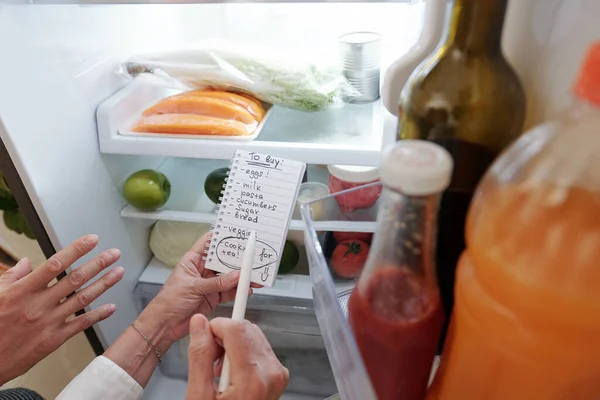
x=260 y=195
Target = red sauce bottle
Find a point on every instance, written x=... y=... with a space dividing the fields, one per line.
x=395 y=310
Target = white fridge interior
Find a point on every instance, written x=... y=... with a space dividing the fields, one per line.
x=62 y=67
x=58 y=66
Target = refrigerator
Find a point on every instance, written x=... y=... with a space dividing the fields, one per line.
x=66 y=169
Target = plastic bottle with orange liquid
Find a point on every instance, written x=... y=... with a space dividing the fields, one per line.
x=526 y=322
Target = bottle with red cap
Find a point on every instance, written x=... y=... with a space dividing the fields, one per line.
x=526 y=322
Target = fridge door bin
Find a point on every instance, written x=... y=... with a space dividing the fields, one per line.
x=349 y=371
x=331 y=310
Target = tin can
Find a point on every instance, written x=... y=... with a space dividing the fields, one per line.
x=360 y=60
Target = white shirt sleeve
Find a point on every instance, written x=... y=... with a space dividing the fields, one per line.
x=102 y=379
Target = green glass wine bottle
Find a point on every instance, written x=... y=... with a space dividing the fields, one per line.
x=467 y=98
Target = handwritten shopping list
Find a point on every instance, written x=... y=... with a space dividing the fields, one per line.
x=260 y=195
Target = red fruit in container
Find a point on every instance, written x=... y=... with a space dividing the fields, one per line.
x=341 y=236
x=343 y=177
x=349 y=258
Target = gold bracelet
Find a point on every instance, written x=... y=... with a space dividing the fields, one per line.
x=149 y=343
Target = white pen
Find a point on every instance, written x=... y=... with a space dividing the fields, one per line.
x=241 y=299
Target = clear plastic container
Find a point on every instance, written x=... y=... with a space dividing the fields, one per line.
x=344 y=177
x=349 y=372
x=331 y=299
x=308 y=192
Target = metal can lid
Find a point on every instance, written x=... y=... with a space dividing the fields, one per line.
x=360 y=51
x=359 y=37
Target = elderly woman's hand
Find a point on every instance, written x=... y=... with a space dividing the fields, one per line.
x=255 y=371
x=35 y=317
x=190 y=290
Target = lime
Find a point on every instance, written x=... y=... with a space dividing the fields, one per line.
x=147 y=190
x=289 y=258
x=214 y=183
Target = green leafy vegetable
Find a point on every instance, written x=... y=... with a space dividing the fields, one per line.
x=286 y=81
x=306 y=89
x=170 y=240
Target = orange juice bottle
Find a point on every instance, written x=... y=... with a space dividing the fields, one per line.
x=526 y=322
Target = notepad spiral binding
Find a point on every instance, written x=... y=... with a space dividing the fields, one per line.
x=211 y=246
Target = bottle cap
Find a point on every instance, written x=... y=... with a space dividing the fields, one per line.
x=354 y=173
x=587 y=86
x=416 y=167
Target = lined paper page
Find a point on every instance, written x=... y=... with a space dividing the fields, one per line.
x=260 y=195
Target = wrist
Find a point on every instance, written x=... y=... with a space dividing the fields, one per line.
x=132 y=352
x=153 y=322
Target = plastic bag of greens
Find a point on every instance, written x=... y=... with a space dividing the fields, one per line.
x=283 y=80
x=170 y=240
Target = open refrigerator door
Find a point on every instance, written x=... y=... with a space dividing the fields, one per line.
x=331 y=309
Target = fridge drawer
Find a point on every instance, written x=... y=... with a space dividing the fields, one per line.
x=294 y=335
x=310 y=372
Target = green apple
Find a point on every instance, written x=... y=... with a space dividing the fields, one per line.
x=147 y=190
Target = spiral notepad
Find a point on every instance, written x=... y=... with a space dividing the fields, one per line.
x=260 y=194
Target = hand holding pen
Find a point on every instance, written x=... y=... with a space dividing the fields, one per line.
x=249 y=369
x=255 y=371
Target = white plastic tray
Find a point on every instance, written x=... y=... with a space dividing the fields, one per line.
x=118 y=114
x=336 y=136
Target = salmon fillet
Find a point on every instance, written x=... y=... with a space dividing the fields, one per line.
x=251 y=98
x=191 y=124
x=201 y=105
x=254 y=107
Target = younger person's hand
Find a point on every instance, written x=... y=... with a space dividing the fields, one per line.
x=256 y=373
x=35 y=317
